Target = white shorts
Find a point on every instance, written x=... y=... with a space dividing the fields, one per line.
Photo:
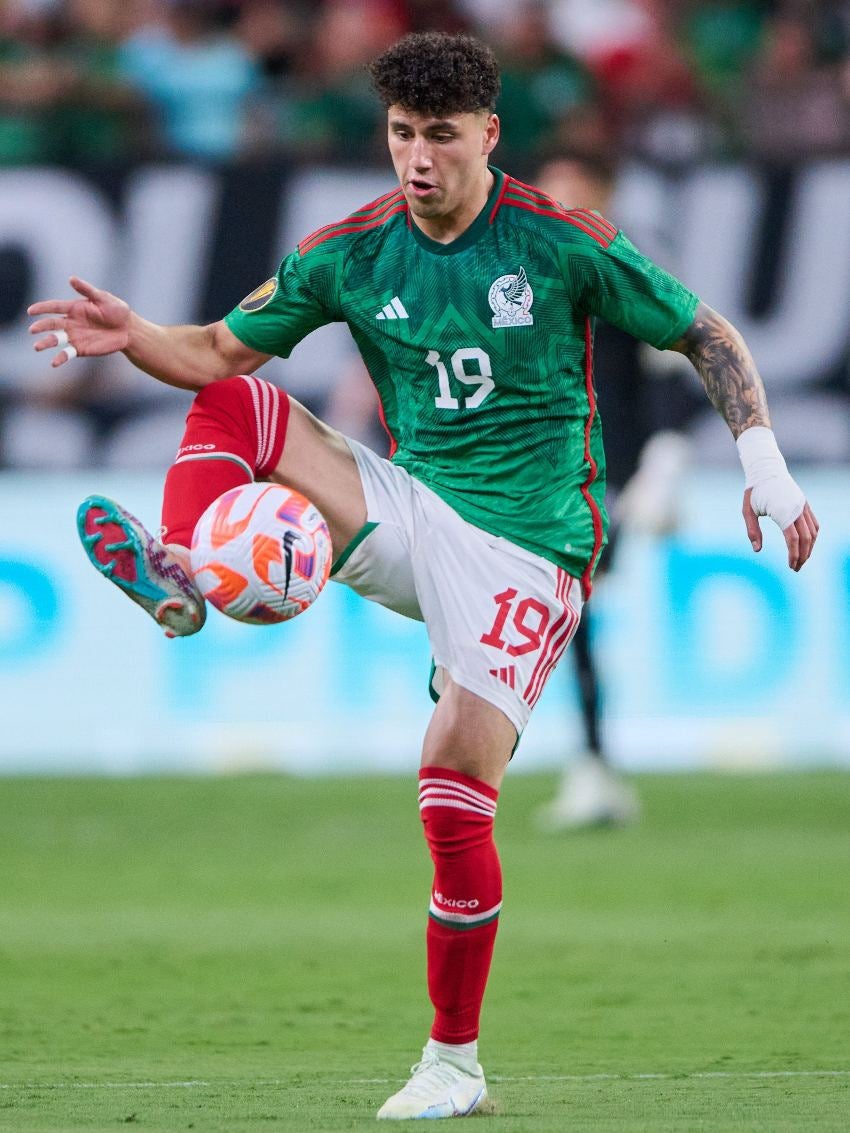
x=498 y=616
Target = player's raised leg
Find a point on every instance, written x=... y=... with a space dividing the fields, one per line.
x=465 y=753
x=238 y=429
x=235 y=431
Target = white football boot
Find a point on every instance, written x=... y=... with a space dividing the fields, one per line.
x=156 y=577
x=437 y=1088
x=591 y=794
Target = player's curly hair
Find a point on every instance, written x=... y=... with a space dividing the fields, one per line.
x=437 y=74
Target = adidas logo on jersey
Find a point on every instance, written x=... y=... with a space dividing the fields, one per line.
x=507 y=675
x=393 y=310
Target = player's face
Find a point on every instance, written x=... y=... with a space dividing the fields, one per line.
x=441 y=163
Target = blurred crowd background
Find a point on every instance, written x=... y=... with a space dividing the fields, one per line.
x=99 y=85
x=673 y=80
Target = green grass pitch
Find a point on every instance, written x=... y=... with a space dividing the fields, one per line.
x=247 y=954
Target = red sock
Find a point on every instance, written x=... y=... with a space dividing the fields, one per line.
x=234 y=434
x=457 y=813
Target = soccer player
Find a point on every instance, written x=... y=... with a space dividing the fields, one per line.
x=470 y=296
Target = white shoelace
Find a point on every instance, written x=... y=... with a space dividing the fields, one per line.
x=431 y=1073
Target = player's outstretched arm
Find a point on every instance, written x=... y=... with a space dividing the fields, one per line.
x=99 y=323
x=728 y=372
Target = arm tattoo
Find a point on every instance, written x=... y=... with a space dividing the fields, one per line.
x=727 y=370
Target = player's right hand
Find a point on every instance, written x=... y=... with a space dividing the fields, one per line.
x=779 y=498
x=96 y=324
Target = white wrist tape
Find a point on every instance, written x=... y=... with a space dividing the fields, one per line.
x=774 y=491
x=759 y=454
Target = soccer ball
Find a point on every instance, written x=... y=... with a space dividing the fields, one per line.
x=261 y=553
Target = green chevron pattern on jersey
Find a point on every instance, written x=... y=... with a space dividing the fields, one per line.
x=481 y=350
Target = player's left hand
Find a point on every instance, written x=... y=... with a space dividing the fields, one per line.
x=780 y=498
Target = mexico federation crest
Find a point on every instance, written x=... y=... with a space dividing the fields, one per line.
x=510 y=299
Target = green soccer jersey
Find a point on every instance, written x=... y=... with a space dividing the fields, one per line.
x=481 y=350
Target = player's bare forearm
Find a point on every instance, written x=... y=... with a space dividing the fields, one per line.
x=96 y=323
x=189 y=357
x=726 y=367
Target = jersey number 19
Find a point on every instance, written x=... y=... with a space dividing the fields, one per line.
x=483 y=380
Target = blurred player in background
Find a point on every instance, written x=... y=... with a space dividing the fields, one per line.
x=646 y=453
x=470 y=297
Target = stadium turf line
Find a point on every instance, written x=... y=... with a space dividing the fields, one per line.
x=246 y=953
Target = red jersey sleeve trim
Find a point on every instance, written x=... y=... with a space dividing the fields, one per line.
x=343 y=228
x=591 y=227
x=536 y=195
x=596 y=218
x=568 y=218
x=539 y=197
x=534 y=200
x=374 y=211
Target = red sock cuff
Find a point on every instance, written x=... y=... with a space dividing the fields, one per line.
x=243 y=417
x=441 y=778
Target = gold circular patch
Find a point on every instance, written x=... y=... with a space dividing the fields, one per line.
x=259 y=296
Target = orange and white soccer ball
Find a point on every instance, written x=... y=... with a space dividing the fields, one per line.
x=261 y=553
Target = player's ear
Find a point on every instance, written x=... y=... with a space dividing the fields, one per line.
x=492 y=129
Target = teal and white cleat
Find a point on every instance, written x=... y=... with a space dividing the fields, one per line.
x=120 y=547
x=436 y=1089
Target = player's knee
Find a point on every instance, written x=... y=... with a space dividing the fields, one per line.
x=468 y=735
x=251 y=412
x=236 y=392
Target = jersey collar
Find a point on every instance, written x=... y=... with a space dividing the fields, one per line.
x=481 y=223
